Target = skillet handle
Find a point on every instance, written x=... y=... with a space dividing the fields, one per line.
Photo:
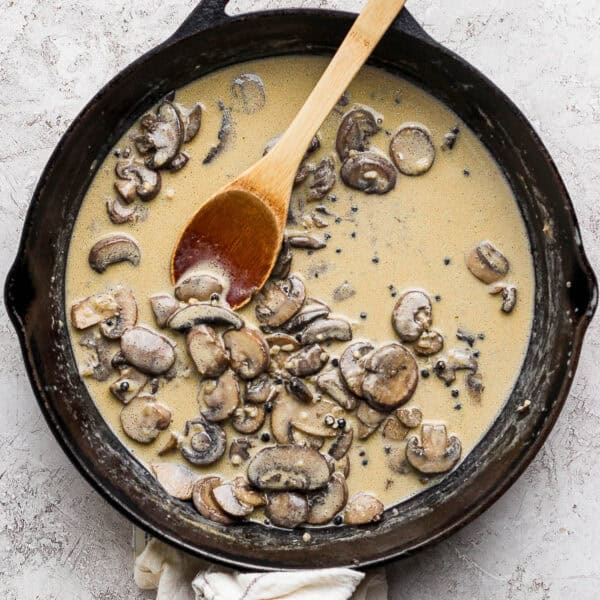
x=18 y=292
x=406 y=23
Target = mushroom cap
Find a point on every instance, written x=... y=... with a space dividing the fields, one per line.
x=307 y=361
x=341 y=445
x=92 y=310
x=436 y=453
x=205 y=503
x=327 y=329
x=331 y=383
x=279 y=301
x=260 y=390
x=369 y=172
x=125 y=318
x=248 y=93
x=312 y=310
x=286 y=509
x=248 y=350
x=203 y=313
x=221 y=396
x=429 y=342
x=144 y=418
x=363 y=508
x=112 y=249
x=163 y=306
x=486 y=262
x=147 y=350
x=128 y=385
x=227 y=499
x=200 y=286
x=204 y=442
x=356 y=127
x=248 y=418
x=247 y=494
x=324 y=504
x=352 y=365
x=176 y=479
x=207 y=351
x=412 y=150
x=412 y=315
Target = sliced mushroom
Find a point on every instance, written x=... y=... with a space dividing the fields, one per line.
x=369 y=172
x=305 y=241
x=393 y=429
x=260 y=390
x=137 y=179
x=356 y=127
x=177 y=480
x=114 y=248
x=429 y=342
x=204 y=442
x=369 y=416
x=285 y=509
x=221 y=396
x=317 y=419
x=225 y=133
x=308 y=361
x=129 y=385
x=283 y=341
x=487 y=263
x=119 y=214
x=411 y=417
x=101 y=369
x=207 y=351
x=248 y=93
x=363 y=508
x=352 y=365
x=147 y=350
x=456 y=359
x=179 y=162
x=305 y=439
x=331 y=383
x=248 y=418
x=365 y=431
x=312 y=310
x=436 y=453
x=279 y=301
x=126 y=316
x=226 y=498
x=288 y=468
x=248 y=495
x=248 y=350
x=324 y=504
x=326 y=330
x=343 y=466
x=474 y=383
x=173 y=441
x=392 y=377
x=343 y=291
x=239 y=451
x=200 y=286
x=509 y=296
x=297 y=388
x=205 y=503
x=397 y=462
x=163 y=306
x=321 y=179
x=203 y=314
x=412 y=315
x=144 y=418
x=284 y=261
x=412 y=150
x=341 y=445
x=94 y=309
x=191 y=119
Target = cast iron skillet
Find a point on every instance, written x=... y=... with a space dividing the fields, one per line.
x=565 y=299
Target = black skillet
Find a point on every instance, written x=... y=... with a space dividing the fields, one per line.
x=565 y=300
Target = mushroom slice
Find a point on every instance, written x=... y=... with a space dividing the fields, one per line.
x=352 y=365
x=248 y=418
x=369 y=172
x=321 y=180
x=317 y=419
x=279 y=301
x=147 y=350
x=397 y=462
x=394 y=430
x=91 y=311
x=326 y=330
x=221 y=396
x=392 y=377
x=356 y=127
x=284 y=408
x=205 y=503
x=248 y=350
x=412 y=150
x=429 y=342
x=284 y=261
x=203 y=314
x=331 y=383
x=288 y=468
x=112 y=249
x=239 y=451
x=305 y=439
x=101 y=368
x=177 y=480
x=260 y=390
x=119 y=214
x=412 y=315
x=343 y=466
x=144 y=418
x=456 y=359
x=310 y=242
x=324 y=504
x=474 y=383
x=191 y=119
x=297 y=388
x=173 y=441
x=162 y=134
x=363 y=508
x=129 y=385
x=436 y=453
x=207 y=351
x=200 y=286
x=339 y=448
x=365 y=431
x=226 y=131
x=487 y=263
x=312 y=310
x=283 y=341
x=248 y=93
x=369 y=416
x=509 y=296
x=203 y=443
x=163 y=306
x=226 y=498
x=285 y=509
x=411 y=417
x=136 y=179
x=308 y=361
x=125 y=318
x=246 y=494
x=179 y=162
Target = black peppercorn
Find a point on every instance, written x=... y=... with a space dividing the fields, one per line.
x=362 y=453
x=375 y=259
x=214 y=297
x=341 y=423
x=365 y=462
x=124 y=386
x=277 y=381
x=363 y=315
x=335 y=362
x=265 y=437
x=268 y=406
x=438 y=298
x=457 y=406
x=353 y=234
x=333 y=197
x=338 y=250
x=455 y=393
x=354 y=209
x=424 y=373
x=481 y=336
x=466 y=172
x=446 y=261
x=338 y=219
x=327 y=236
x=338 y=520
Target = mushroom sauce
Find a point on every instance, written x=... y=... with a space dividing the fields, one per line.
x=369 y=366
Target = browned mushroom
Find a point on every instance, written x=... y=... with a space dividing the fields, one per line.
x=248 y=418
x=200 y=286
x=363 y=508
x=246 y=494
x=288 y=468
x=324 y=504
x=392 y=377
x=331 y=383
x=435 y=453
x=163 y=306
x=207 y=351
x=429 y=342
x=203 y=314
x=297 y=388
x=191 y=119
x=341 y=445
x=279 y=301
x=239 y=451
x=226 y=131
x=129 y=385
x=356 y=128
x=325 y=330
x=119 y=214
x=284 y=261
x=369 y=172
x=352 y=365
x=305 y=241
x=248 y=350
x=100 y=366
x=412 y=315
x=308 y=361
x=486 y=262
x=144 y=418
x=227 y=499
x=474 y=383
x=411 y=417
x=177 y=480
x=412 y=150
x=126 y=316
x=205 y=503
x=112 y=249
x=321 y=179
x=248 y=93
x=286 y=509
x=147 y=350
x=509 y=296
x=94 y=309
x=369 y=416
x=134 y=179
x=260 y=390
x=312 y=310
x=455 y=359
x=203 y=442
x=397 y=462
x=221 y=396
x=393 y=429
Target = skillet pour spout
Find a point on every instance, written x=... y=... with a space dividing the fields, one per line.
x=565 y=298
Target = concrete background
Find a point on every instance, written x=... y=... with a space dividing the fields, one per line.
x=541 y=541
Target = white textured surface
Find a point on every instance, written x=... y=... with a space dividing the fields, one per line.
x=59 y=540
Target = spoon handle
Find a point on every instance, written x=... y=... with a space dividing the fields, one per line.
x=358 y=45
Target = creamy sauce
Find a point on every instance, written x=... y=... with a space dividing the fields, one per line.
x=409 y=231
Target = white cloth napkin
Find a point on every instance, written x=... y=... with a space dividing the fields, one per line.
x=177 y=576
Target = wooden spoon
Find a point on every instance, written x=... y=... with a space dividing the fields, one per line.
x=239 y=230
